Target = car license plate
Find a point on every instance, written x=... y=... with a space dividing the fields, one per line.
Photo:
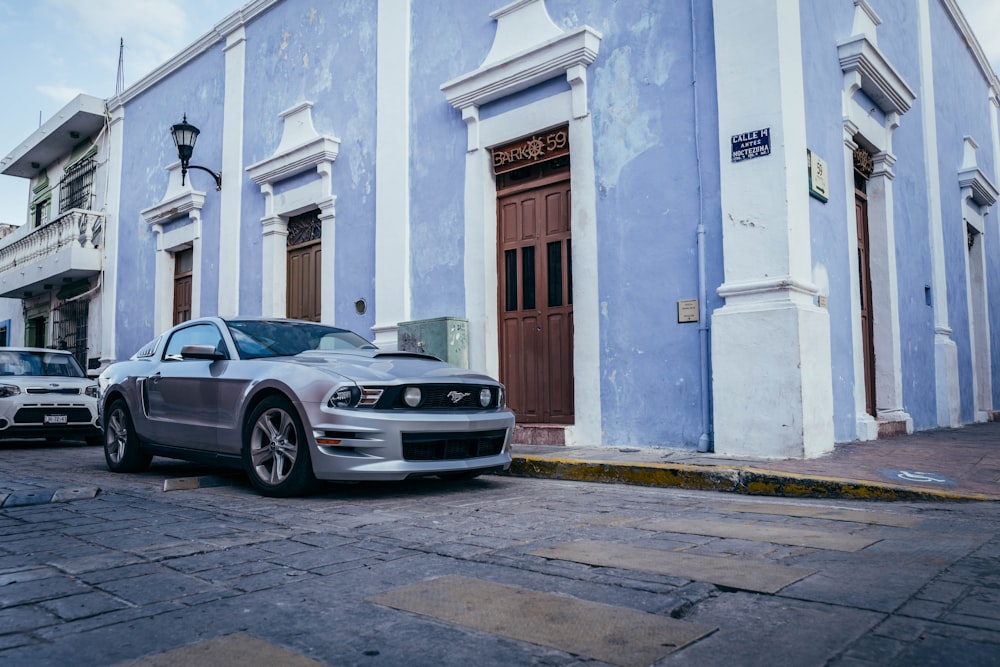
x=55 y=419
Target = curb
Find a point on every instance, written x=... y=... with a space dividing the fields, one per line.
x=747 y=481
x=43 y=496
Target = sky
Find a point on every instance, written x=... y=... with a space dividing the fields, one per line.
x=54 y=49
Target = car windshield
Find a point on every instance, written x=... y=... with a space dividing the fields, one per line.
x=31 y=362
x=276 y=338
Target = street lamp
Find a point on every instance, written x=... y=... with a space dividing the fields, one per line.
x=185 y=135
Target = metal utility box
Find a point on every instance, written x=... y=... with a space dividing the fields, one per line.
x=446 y=338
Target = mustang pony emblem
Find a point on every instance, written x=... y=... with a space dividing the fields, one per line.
x=457 y=396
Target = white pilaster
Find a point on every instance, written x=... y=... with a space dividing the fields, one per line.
x=232 y=166
x=112 y=225
x=945 y=349
x=772 y=382
x=392 y=179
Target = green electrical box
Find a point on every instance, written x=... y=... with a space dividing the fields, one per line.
x=446 y=338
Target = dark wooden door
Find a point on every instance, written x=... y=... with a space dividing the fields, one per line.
x=536 y=301
x=304 y=265
x=183 y=272
x=865 y=281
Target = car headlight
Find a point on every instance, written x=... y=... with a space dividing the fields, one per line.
x=411 y=396
x=8 y=390
x=485 y=396
x=345 y=397
x=91 y=391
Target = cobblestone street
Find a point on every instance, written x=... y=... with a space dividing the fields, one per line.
x=100 y=569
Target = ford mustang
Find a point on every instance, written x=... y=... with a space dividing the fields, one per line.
x=294 y=402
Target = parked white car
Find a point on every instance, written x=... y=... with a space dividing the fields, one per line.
x=46 y=394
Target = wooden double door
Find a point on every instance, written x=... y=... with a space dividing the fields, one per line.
x=536 y=299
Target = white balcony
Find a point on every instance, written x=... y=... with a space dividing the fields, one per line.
x=64 y=250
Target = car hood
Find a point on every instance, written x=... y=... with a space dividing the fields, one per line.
x=367 y=366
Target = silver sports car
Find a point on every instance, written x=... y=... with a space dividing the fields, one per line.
x=295 y=402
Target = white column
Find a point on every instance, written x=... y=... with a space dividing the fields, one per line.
x=392 y=179
x=328 y=280
x=232 y=171
x=772 y=380
x=945 y=349
x=112 y=223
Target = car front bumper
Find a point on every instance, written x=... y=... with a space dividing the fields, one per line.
x=43 y=420
x=348 y=445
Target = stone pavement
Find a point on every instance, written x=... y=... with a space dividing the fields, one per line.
x=940 y=464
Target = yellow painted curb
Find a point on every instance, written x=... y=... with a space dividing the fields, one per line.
x=749 y=481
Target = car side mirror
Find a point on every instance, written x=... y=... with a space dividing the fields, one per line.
x=209 y=352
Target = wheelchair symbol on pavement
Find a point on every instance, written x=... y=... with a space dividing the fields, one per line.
x=915 y=476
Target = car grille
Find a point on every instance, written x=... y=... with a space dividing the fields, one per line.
x=440 y=397
x=37 y=415
x=452 y=446
x=60 y=390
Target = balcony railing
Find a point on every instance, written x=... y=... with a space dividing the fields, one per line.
x=68 y=246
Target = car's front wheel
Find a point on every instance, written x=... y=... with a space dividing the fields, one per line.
x=276 y=451
x=121 y=444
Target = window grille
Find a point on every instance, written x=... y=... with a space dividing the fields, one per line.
x=75 y=190
x=304 y=228
x=71 y=328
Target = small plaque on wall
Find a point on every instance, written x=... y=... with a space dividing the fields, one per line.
x=687 y=310
x=819 y=184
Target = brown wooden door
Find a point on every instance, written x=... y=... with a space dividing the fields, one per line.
x=183 y=271
x=304 y=265
x=867 y=317
x=536 y=301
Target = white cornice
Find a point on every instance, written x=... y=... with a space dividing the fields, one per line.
x=981 y=190
x=510 y=75
x=179 y=200
x=873 y=74
x=301 y=148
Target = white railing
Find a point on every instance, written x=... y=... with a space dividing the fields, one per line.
x=73 y=226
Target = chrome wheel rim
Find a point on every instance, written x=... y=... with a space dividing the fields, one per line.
x=273 y=446
x=117 y=436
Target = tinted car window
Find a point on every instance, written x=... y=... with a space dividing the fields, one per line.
x=39 y=363
x=274 y=338
x=198 y=334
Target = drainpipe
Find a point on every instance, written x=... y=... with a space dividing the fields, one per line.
x=704 y=441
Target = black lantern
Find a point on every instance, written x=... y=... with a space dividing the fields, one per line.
x=185 y=135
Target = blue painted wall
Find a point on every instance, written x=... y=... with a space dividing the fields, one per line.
x=964 y=111
x=324 y=53
x=197 y=90
x=654 y=115
x=822 y=78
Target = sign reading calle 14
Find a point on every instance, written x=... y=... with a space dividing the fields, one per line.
x=530 y=150
x=749 y=145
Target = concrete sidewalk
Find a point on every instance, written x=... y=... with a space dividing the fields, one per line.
x=941 y=464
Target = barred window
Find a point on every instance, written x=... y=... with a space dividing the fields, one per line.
x=76 y=186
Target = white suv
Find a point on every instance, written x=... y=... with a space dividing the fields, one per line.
x=45 y=394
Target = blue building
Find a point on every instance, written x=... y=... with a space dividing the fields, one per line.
x=754 y=226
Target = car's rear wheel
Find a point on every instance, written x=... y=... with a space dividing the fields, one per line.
x=122 y=451
x=276 y=451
